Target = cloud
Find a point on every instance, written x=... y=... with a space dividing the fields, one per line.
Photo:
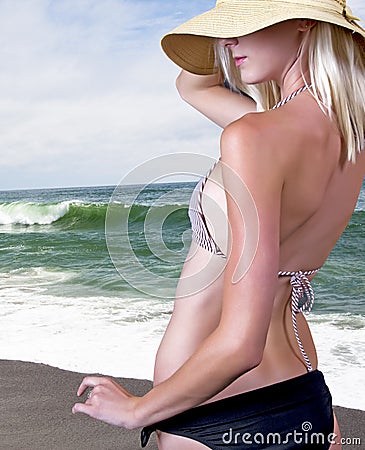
x=85 y=85
x=86 y=92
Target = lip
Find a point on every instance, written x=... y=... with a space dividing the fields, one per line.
x=239 y=60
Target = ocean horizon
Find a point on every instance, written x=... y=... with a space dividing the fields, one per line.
x=67 y=303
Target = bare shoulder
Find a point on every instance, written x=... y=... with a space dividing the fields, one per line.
x=256 y=138
x=296 y=134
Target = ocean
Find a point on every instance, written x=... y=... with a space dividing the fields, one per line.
x=76 y=297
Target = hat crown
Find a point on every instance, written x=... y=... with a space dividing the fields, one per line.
x=191 y=45
x=341 y=3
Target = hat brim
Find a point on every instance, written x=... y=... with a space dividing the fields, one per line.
x=191 y=45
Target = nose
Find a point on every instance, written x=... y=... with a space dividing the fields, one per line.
x=228 y=42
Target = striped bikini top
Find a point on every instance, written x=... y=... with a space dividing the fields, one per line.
x=302 y=294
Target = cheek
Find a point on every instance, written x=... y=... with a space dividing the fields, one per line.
x=273 y=56
x=257 y=70
x=263 y=66
x=268 y=56
x=260 y=47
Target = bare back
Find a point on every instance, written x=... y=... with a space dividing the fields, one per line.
x=319 y=195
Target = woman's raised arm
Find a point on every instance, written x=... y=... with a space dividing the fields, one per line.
x=207 y=95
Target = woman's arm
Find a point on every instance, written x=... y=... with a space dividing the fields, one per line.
x=207 y=95
x=237 y=344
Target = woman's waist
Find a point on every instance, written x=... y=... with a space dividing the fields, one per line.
x=290 y=390
x=281 y=361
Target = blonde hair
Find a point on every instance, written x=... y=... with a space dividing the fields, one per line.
x=336 y=59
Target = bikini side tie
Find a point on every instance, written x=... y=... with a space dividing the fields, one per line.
x=301 y=291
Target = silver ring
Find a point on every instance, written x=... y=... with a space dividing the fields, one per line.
x=89 y=393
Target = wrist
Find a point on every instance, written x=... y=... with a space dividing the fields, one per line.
x=139 y=418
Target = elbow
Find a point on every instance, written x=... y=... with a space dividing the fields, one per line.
x=255 y=361
x=179 y=83
x=252 y=360
x=180 y=87
x=244 y=357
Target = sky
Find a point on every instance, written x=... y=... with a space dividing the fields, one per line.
x=86 y=93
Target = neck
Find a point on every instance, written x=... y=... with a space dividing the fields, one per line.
x=286 y=99
x=292 y=82
x=297 y=74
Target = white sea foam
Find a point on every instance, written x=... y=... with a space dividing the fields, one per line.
x=120 y=337
x=29 y=213
x=91 y=334
x=32 y=277
x=360 y=206
x=340 y=343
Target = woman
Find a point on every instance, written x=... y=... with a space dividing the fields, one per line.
x=237 y=366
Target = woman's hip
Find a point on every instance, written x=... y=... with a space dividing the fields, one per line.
x=296 y=413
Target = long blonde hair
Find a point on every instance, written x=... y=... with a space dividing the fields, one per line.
x=337 y=74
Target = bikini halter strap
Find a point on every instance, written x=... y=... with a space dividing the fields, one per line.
x=291 y=96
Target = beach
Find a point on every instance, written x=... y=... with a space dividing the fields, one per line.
x=35 y=412
x=79 y=298
x=36 y=404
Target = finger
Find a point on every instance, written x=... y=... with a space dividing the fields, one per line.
x=88 y=382
x=83 y=408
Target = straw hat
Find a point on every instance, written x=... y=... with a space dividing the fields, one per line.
x=190 y=45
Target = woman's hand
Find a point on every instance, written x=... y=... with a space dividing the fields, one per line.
x=107 y=401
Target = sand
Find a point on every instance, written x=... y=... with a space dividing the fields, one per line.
x=35 y=413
